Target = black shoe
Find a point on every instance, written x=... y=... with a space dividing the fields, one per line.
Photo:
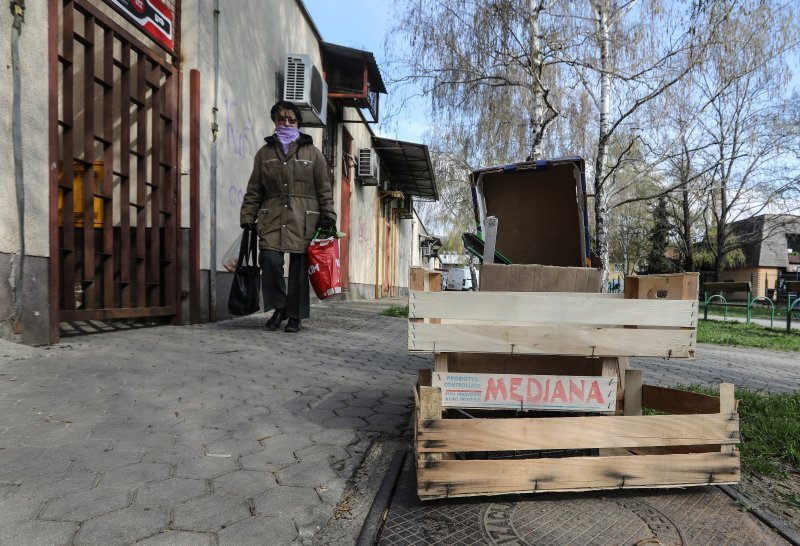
x=275 y=320
x=293 y=325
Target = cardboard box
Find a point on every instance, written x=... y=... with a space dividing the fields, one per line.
x=539 y=278
x=541 y=210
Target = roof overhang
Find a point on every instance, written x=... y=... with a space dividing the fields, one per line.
x=409 y=167
x=353 y=77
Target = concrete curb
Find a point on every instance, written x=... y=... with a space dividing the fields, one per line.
x=773 y=521
x=380 y=504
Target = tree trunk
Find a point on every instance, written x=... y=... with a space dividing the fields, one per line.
x=600 y=204
x=535 y=56
x=722 y=233
x=686 y=228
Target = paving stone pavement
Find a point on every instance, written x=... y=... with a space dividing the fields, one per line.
x=212 y=434
x=225 y=433
x=757 y=369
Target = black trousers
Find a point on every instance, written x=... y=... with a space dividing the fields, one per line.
x=296 y=299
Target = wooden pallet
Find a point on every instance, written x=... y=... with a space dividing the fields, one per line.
x=477 y=450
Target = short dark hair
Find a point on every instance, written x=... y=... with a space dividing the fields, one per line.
x=285 y=105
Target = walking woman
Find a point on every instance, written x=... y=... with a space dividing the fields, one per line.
x=288 y=197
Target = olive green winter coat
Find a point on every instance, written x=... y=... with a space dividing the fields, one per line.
x=288 y=194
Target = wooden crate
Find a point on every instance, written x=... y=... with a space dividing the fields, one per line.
x=551 y=323
x=481 y=451
x=694 y=444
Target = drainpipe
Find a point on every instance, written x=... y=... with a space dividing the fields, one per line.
x=18 y=11
x=377 y=243
x=212 y=270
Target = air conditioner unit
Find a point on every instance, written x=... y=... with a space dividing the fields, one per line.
x=367 y=167
x=303 y=85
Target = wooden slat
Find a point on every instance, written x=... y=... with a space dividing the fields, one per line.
x=521 y=364
x=125 y=178
x=463 y=435
x=68 y=268
x=194 y=196
x=108 y=171
x=679 y=286
x=121 y=313
x=553 y=340
x=429 y=407
x=551 y=308
x=89 y=284
x=171 y=296
x=633 y=392
x=141 y=187
x=440 y=362
x=156 y=187
x=678 y=402
x=467 y=478
x=727 y=408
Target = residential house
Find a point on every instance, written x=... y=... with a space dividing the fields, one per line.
x=771 y=243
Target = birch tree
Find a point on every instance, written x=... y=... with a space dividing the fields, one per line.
x=636 y=52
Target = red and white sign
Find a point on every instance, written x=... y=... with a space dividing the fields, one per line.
x=152 y=16
x=527 y=392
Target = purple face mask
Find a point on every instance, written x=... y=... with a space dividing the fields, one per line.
x=286 y=135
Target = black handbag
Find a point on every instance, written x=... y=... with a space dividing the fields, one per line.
x=245 y=293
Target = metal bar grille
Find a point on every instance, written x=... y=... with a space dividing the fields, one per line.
x=117 y=155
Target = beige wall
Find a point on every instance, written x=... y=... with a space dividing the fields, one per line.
x=761 y=278
x=363 y=207
x=255 y=36
x=35 y=133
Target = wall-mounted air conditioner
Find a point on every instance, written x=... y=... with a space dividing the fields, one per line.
x=304 y=86
x=367 y=171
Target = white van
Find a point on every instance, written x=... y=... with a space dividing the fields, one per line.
x=459 y=278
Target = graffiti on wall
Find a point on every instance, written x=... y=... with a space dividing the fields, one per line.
x=362 y=231
x=240 y=136
x=238 y=139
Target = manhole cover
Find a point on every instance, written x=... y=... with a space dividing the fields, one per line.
x=702 y=515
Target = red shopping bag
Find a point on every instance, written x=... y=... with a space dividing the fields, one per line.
x=323 y=267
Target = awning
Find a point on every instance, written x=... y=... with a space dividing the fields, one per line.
x=409 y=167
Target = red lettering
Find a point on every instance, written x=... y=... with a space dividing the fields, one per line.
x=546 y=396
x=595 y=394
x=515 y=383
x=534 y=398
x=576 y=391
x=558 y=392
x=494 y=388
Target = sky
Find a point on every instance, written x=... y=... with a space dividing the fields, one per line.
x=362 y=24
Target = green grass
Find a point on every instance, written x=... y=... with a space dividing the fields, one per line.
x=396 y=311
x=769 y=425
x=747 y=335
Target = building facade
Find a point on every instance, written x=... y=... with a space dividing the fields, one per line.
x=134 y=125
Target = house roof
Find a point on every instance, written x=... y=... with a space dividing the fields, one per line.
x=766 y=236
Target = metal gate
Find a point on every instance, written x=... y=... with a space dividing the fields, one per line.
x=116 y=220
